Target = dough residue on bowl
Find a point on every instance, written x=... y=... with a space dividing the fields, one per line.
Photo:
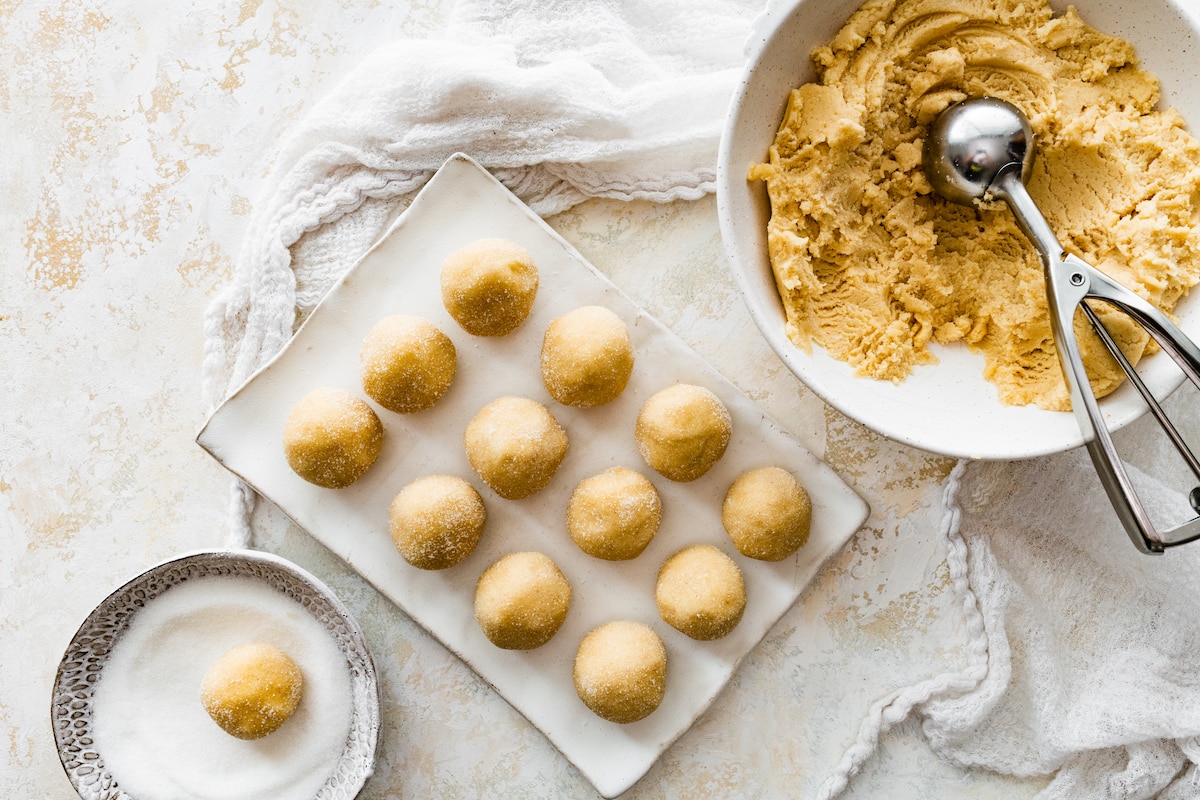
x=874 y=267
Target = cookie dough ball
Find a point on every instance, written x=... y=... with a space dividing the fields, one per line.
x=515 y=445
x=436 y=521
x=331 y=438
x=587 y=357
x=407 y=364
x=251 y=690
x=521 y=601
x=614 y=515
x=682 y=431
x=489 y=286
x=767 y=514
x=621 y=671
x=700 y=592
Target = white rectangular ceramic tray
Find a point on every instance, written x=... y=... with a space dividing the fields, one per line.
x=400 y=274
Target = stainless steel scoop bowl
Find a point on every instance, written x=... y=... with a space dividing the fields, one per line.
x=983 y=148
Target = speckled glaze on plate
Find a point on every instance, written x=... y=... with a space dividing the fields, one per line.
x=948 y=407
x=463 y=203
x=85 y=658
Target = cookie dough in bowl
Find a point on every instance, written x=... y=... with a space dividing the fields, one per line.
x=873 y=265
x=875 y=276
x=218 y=674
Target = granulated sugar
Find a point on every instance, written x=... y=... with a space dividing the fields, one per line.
x=151 y=728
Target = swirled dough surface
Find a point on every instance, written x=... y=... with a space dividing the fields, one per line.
x=873 y=266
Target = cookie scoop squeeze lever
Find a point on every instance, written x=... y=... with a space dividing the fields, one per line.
x=983 y=147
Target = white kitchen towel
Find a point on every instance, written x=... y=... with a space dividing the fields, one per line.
x=561 y=99
x=1093 y=649
x=1084 y=654
x=1082 y=658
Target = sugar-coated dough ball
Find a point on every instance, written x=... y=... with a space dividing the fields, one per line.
x=489 y=286
x=331 y=438
x=521 y=601
x=701 y=592
x=767 y=514
x=407 y=364
x=621 y=671
x=515 y=445
x=251 y=690
x=682 y=431
x=436 y=521
x=587 y=357
x=614 y=515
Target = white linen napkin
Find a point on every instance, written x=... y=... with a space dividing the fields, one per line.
x=1093 y=666
x=1083 y=659
x=1084 y=653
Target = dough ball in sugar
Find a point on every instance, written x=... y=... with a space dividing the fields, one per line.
x=587 y=357
x=682 y=431
x=521 y=601
x=515 y=445
x=251 y=690
x=489 y=286
x=406 y=363
x=614 y=515
x=331 y=438
x=700 y=592
x=620 y=671
x=436 y=521
x=767 y=514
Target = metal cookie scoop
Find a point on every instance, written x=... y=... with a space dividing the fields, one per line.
x=983 y=147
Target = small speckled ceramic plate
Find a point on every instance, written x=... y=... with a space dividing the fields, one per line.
x=463 y=203
x=74 y=708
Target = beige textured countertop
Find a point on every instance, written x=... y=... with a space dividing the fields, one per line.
x=136 y=136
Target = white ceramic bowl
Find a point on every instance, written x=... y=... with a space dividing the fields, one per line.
x=946 y=408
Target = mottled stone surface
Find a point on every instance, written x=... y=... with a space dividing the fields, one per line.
x=136 y=137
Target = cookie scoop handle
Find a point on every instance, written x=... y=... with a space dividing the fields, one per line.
x=982 y=148
x=1070 y=281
